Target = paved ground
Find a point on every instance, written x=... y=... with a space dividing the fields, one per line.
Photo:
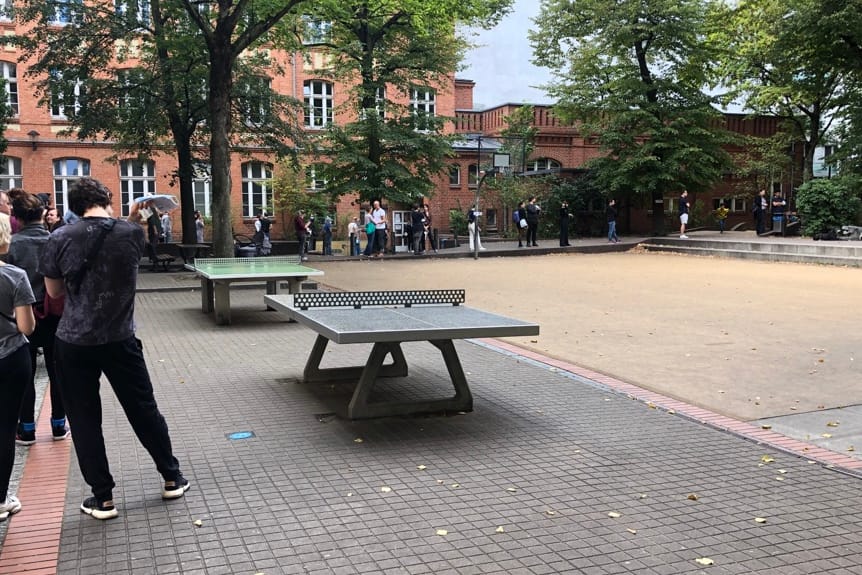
x=549 y=474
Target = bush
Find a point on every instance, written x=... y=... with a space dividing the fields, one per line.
x=458 y=222
x=824 y=205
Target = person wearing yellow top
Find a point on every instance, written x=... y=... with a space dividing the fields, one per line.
x=721 y=215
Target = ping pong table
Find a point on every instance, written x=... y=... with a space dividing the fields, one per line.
x=217 y=274
x=387 y=319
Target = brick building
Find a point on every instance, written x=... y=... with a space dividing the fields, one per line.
x=41 y=160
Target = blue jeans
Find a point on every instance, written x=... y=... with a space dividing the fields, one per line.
x=612 y=232
x=122 y=362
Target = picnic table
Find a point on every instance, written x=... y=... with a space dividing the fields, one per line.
x=217 y=274
x=387 y=319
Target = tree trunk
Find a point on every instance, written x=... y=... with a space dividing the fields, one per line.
x=221 y=80
x=185 y=175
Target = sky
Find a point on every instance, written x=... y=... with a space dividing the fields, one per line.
x=501 y=66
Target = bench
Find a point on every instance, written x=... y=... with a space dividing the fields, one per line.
x=157 y=259
x=387 y=319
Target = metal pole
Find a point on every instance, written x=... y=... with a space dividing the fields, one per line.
x=475 y=207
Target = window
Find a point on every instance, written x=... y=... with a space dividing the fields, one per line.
x=66 y=171
x=202 y=189
x=490 y=218
x=254 y=101
x=543 y=164
x=454 y=175
x=65 y=98
x=133 y=91
x=135 y=11
x=256 y=186
x=733 y=204
x=10 y=173
x=63 y=11
x=423 y=105
x=314 y=179
x=318 y=103
x=6 y=10
x=379 y=105
x=315 y=31
x=671 y=205
x=137 y=179
x=473 y=175
x=10 y=75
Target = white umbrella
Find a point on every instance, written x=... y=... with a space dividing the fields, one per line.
x=162 y=202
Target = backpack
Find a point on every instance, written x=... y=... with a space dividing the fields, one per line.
x=516 y=216
x=369 y=228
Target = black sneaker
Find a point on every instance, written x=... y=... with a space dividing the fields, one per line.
x=176 y=489
x=25 y=437
x=60 y=432
x=99 y=509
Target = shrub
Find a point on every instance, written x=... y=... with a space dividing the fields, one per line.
x=824 y=205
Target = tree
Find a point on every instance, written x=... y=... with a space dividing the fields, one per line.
x=136 y=74
x=631 y=76
x=382 y=48
x=824 y=205
x=772 y=62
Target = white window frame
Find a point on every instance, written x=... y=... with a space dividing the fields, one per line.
x=543 y=164
x=313 y=183
x=202 y=185
x=251 y=180
x=7 y=10
x=423 y=104
x=137 y=179
x=10 y=173
x=141 y=11
x=254 y=109
x=66 y=172
x=10 y=73
x=64 y=12
x=315 y=31
x=58 y=107
x=318 y=105
x=454 y=169
x=473 y=175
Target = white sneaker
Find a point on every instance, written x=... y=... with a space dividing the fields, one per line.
x=482 y=249
x=683 y=237
x=10 y=507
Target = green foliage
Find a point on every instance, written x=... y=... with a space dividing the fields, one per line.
x=290 y=195
x=632 y=77
x=458 y=222
x=519 y=137
x=824 y=204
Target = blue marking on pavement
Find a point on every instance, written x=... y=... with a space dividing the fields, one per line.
x=240 y=435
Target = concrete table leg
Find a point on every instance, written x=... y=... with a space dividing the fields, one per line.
x=314 y=373
x=271 y=289
x=206 y=295
x=222 y=303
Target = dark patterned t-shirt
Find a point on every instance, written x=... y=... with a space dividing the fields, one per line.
x=103 y=309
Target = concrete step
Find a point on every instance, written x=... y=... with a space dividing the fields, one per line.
x=748 y=252
x=837 y=249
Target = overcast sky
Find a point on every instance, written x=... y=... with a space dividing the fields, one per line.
x=501 y=66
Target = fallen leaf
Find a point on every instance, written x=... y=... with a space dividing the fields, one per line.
x=456 y=485
x=198 y=523
x=442 y=532
x=358 y=440
x=671 y=411
x=642 y=496
x=826 y=435
x=421 y=467
x=350 y=494
x=614 y=515
x=832 y=423
x=782 y=471
x=499 y=529
x=632 y=531
x=760 y=520
x=651 y=405
x=385 y=489
x=766 y=426
x=439 y=482
x=692 y=496
x=851 y=448
x=704 y=561
x=550 y=512
x=511 y=489
x=779 y=478
x=767 y=459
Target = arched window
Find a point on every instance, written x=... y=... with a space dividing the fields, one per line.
x=317 y=95
x=66 y=172
x=256 y=187
x=543 y=164
x=137 y=179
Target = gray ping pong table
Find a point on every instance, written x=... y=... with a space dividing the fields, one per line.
x=387 y=319
x=217 y=274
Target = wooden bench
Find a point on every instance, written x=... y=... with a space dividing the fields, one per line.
x=157 y=259
x=387 y=319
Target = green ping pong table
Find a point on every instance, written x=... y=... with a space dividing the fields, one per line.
x=216 y=275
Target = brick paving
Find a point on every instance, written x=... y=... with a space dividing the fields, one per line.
x=543 y=456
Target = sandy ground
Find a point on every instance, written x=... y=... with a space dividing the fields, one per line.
x=746 y=339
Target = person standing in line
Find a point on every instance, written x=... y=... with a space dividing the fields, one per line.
x=6 y=208
x=16 y=323
x=94 y=263
x=327 y=236
x=312 y=234
x=760 y=209
x=683 y=214
x=199 y=227
x=611 y=212
x=417 y=220
x=429 y=231
x=25 y=251
x=778 y=206
x=52 y=221
x=721 y=216
x=370 y=231
x=353 y=236
x=565 y=216
x=519 y=217
x=533 y=211
x=473 y=228
x=378 y=216
x=301 y=229
x=167 y=227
